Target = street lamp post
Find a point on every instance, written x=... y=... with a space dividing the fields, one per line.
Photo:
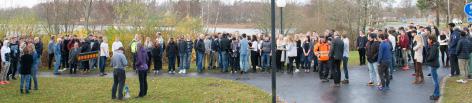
x=272 y=47
x=281 y=4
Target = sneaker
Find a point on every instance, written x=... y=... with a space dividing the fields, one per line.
x=461 y=81
x=429 y=75
x=345 y=81
x=380 y=88
x=2 y=83
x=296 y=70
x=324 y=80
x=370 y=84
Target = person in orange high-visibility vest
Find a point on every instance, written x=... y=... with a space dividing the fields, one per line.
x=321 y=50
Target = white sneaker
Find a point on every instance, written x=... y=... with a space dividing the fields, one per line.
x=185 y=71
x=181 y=71
x=461 y=81
x=296 y=70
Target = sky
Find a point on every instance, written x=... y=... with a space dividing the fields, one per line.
x=31 y=3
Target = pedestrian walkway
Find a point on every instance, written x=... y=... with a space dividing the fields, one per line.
x=307 y=88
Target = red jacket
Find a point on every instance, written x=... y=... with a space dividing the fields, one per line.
x=404 y=41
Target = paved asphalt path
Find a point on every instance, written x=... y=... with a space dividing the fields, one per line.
x=307 y=87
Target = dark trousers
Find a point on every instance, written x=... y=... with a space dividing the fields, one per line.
x=254 y=59
x=298 y=60
x=384 y=74
x=143 y=86
x=134 y=61
x=13 y=69
x=119 y=78
x=50 y=59
x=362 y=55
x=277 y=60
x=103 y=62
x=157 y=63
x=324 y=68
x=65 y=58
x=149 y=59
x=73 y=68
x=171 y=65
x=336 y=71
x=290 y=64
x=454 y=65
x=443 y=49
x=345 y=65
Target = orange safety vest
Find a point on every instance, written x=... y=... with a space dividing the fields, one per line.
x=322 y=51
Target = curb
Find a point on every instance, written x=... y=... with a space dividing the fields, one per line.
x=442 y=88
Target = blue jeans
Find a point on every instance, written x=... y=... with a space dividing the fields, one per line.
x=265 y=60
x=345 y=65
x=220 y=60
x=183 y=61
x=200 y=57
x=306 y=62
x=103 y=62
x=244 y=62
x=434 y=74
x=188 y=57
x=224 y=61
x=34 y=75
x=57 y=64
x=25 y=78
x=373 y=72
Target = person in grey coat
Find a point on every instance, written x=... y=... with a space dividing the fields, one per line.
x=336 y=55
x=118 y=62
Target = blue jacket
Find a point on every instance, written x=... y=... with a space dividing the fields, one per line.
x=244 y=46
x=57 y=50
x=454 y=39
x=385 y=53
x=51 y=47
x=464 y=47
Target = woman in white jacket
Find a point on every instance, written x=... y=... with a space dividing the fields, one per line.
x=418 y=48
x=6 y=64
x=291 y=52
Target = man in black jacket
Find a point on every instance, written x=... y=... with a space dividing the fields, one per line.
x=360 y=44
x=94 y=47
x=200 y=50
x=225 y=43
x=336 y=55
x=215 y=51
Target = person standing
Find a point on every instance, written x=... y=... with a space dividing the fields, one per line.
x=51 y=51
x=452 y=49
x=336 y=53
x=432 y=61
x=5 y=55
x=361 y=44
x=116 y=44
x=225 y=45
x=57 y=56
x=118 y=62
x=156 y=53
x=200 y=50
x=65 y=52
x=94 y=47
x=36 y=52
x=189 y=53
x=305 y=58
x=244 y=54
x=142 y=67
x=208 y=53
x=255 y=55
x=134 y=48
x=148 y=45
x=372 y=48
x=25 y=71
x=345 y=58
x=182 y=47
x=322 y=49
x=418 y=48
x=392 y=40
x=234 y=54
x=104 y=54
x=384 y=60
x=73 y=58
x=404 y=43
x=443 y=42
x=266 y=52
x=15 y=55
x=291 y=53
x=172 y=53
x=464 y=47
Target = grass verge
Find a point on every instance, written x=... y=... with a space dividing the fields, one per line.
x=456 y=92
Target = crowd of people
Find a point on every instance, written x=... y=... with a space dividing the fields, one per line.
x=383 y=50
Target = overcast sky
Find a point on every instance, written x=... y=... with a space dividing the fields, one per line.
x=31 y=3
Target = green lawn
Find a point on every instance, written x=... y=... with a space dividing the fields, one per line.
x=161 y=90
x=457 y=93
